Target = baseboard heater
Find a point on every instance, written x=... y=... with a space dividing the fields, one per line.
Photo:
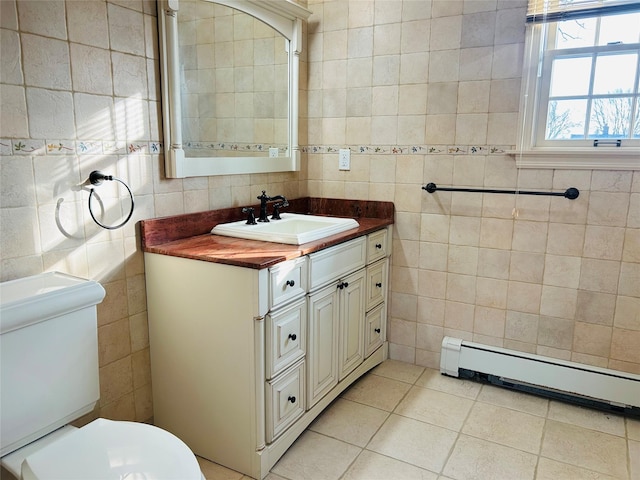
x=585 y=385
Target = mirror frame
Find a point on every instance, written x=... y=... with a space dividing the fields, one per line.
x=285 y=17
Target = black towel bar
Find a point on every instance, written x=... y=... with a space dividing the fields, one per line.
x=570 y=193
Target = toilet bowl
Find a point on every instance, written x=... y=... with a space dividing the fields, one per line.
x=49 y=377
x=105 y=449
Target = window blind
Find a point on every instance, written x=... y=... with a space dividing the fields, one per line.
x=540 y=11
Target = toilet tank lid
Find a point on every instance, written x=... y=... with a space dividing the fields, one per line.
x=106 y=449
x=33 y=299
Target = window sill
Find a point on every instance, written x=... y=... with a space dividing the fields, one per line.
x=578 y=159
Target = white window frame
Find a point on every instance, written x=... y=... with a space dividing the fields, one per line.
x=530 y=153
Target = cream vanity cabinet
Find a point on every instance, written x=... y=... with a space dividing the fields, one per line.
x=243 y=360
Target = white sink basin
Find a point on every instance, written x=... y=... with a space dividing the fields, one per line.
x=293 y=228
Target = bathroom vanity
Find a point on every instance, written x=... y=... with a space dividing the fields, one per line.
x=251 y=340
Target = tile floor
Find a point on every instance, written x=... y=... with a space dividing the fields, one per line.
x=402 y=421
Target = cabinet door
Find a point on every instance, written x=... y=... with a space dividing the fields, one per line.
x=374 y=329
x=352 y=308
x=322 y=364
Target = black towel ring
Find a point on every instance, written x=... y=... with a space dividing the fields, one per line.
x=96 y=177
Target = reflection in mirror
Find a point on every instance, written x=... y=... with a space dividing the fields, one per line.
x=234 y=82
x=230 y=85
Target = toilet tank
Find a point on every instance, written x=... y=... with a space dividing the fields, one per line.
x=48 y=355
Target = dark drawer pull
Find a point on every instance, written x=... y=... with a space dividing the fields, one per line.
x=290 y=283
x=379 y=284
x=342 y=285
x=378 y=246
x=377 y=330
x=292 y=399
x=292 y=336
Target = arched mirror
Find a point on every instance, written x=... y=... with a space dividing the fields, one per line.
x=230 y=72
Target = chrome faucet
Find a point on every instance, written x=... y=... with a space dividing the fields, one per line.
x=264 y=199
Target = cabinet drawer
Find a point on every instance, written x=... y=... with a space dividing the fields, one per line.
x=374 y=329
x=287 y=280
x=377 y=245
x=286 y=337
x=285 y=400
x=330 y=264
x=376 y=284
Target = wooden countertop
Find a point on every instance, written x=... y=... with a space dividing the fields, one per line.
x=189 y=236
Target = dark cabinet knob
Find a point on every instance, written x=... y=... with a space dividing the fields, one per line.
x=292 y=399
x=378 y=246
x=377 y=330
x=379 y=284
x=293 y=336
x=290 y=283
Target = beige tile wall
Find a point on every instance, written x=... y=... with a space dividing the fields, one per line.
x=428 y=91
x=79 y=91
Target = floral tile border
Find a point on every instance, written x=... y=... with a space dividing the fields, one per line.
x=412 y=149
x=234 y=147
x=77 y=147
x=92 y=147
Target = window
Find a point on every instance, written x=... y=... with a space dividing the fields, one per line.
x=581 y=102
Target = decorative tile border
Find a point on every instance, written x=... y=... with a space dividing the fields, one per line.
x=77 y=147
x=234 y=147
x=27 y=147
x=92 y=147
x=412 y=149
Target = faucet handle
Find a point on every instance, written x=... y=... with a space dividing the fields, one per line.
x=251 y=218
x=276 y=209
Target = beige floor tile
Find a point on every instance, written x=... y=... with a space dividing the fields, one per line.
x=378 y=392
x=213 y=471
x=272 y=476
x=552 y=470
x=457 y=386
x=588 y=418
x=350 y=422
x=634 y=458
x=633 y=429
x=421 y=444
x=404 y=372
x=585 y=448
x=437 y=408
x=505 y=426
x=523 y=402
x=316 y=457
x=476 y=459
x=372 y=466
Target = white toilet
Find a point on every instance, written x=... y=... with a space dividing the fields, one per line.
x=49 y=377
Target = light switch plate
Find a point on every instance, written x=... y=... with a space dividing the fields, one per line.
x=344 y=159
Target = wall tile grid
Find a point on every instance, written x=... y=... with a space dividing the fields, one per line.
x=428 y=91
x=79 y=91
